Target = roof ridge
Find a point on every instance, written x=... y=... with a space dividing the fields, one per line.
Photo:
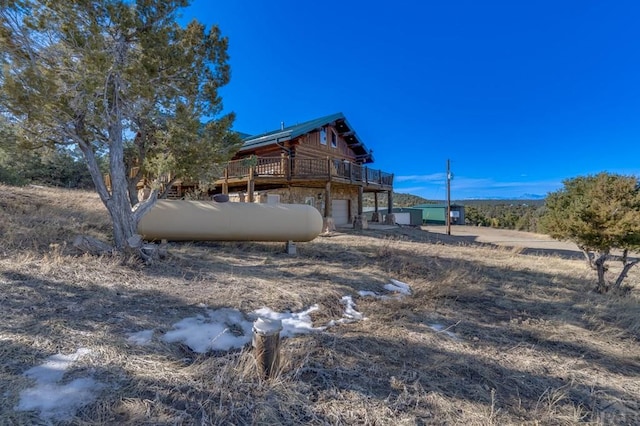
x=307 y=123
x=284 y=134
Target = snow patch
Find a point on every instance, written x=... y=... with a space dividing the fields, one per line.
x=398 y=287
x=350 y=308
x=350 y=314
x=55 y=366
x=59 y=402
x=140 y=338
x=53 y=400
x=219 y=330
x=439 y=328
x=225 y=329
x=292 y=322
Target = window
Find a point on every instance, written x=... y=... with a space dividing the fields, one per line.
x=323 y=136
x=334 y=139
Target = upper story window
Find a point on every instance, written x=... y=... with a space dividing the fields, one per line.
x=334 y=139
x=323 y=136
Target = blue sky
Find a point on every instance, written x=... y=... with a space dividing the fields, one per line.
x=519 y=95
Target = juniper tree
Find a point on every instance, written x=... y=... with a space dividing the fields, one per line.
x=118 y=78
x=599 y=213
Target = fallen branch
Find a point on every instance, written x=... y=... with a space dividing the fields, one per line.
x=92 y=245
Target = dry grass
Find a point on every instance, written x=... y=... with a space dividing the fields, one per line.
x=530 y=343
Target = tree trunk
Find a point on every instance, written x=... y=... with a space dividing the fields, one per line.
x=627 y=265
x=601 y=268
x=588 y=256
x=119 y=205
x=132 y=188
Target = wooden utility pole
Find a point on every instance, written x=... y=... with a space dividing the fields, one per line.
x=448 y=197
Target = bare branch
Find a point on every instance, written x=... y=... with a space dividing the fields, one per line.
x=143 y=207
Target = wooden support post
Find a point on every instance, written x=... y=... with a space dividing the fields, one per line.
x=225 y=184
x=360 y=221
x=250 y=185
x=391 y=218
x=291 y=166
x=327 y=200
x=328 y=223
x=285 y=165
x=266 y=343
x=376 y=214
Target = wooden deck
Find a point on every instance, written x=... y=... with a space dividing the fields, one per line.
x=276 y=171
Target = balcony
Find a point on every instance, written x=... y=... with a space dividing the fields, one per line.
x=274 y=170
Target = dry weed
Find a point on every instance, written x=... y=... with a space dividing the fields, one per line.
x=488 y=336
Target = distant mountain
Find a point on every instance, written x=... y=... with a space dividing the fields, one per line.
x=502 y=201
x=532 y=197
x=521 y=197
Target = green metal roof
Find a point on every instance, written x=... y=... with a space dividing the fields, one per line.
x=243 y=136
x=338 y=120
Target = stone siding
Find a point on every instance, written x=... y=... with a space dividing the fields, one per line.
x=299 y=195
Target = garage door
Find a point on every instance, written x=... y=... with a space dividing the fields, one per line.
x=340 y=211
x=403 y=218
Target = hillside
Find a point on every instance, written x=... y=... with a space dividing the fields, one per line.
x=486 y=335
x=518 y=214
x=399 y=200
x=408 y=200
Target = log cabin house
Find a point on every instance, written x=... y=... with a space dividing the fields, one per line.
x=321 y=162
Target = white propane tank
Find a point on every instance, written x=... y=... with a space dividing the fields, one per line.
x=182 y=220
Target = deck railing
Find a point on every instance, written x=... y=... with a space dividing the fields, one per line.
x=306 y=168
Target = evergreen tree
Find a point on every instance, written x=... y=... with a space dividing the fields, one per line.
x=599 y=213
x=7 y=148
x=116 y=76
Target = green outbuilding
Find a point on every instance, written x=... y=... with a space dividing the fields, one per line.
x=403 y=215
x=436 y=214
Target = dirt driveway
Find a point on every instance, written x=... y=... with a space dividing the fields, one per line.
x=529 y=241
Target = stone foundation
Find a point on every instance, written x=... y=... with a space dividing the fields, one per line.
x=328 y=225
x=390 y=219
x=360 y=223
